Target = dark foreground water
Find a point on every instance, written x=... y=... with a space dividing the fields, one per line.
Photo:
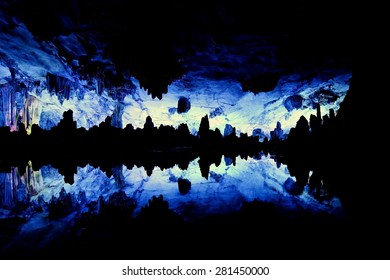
x=252 y=206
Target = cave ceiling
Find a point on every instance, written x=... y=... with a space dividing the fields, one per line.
x=158 y=42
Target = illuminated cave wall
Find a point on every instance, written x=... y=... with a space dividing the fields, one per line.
x=97 y=60
x=223 y=101
x=37 y=84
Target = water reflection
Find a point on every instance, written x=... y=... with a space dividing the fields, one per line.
x=152 y=212
x=17 y=188
x=188 y=192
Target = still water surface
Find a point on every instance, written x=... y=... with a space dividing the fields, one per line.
x=224 y=191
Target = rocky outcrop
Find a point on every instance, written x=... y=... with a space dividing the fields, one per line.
x=277 y=134
x=229 y=130
x=183 y=105
x=184 y=185
x=293 y=102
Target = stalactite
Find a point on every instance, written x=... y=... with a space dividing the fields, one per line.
x=31 y=112
x=99 y=85
x=17 y=106
x=12 y=100
x=6 y=91
x=116 y=117
x=59 y=85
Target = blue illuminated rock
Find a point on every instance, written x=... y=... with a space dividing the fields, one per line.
x=277 y=133
x=293 y=102
x=116 y=117
x=292 y=187
x=217 y=112
x=229 y=130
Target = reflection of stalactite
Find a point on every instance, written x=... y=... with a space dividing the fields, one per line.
x=33 y=180
x=9 y=183
x=138 y=192
x=16 y=188
x=6 y=191
x=118 y=176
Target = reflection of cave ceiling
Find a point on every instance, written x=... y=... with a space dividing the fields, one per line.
x=72 y=47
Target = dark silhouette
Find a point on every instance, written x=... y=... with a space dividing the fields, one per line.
x=183 y=105
x=184 y=185
x=66 y=147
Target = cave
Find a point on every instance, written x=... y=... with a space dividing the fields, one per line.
x=188 y=129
